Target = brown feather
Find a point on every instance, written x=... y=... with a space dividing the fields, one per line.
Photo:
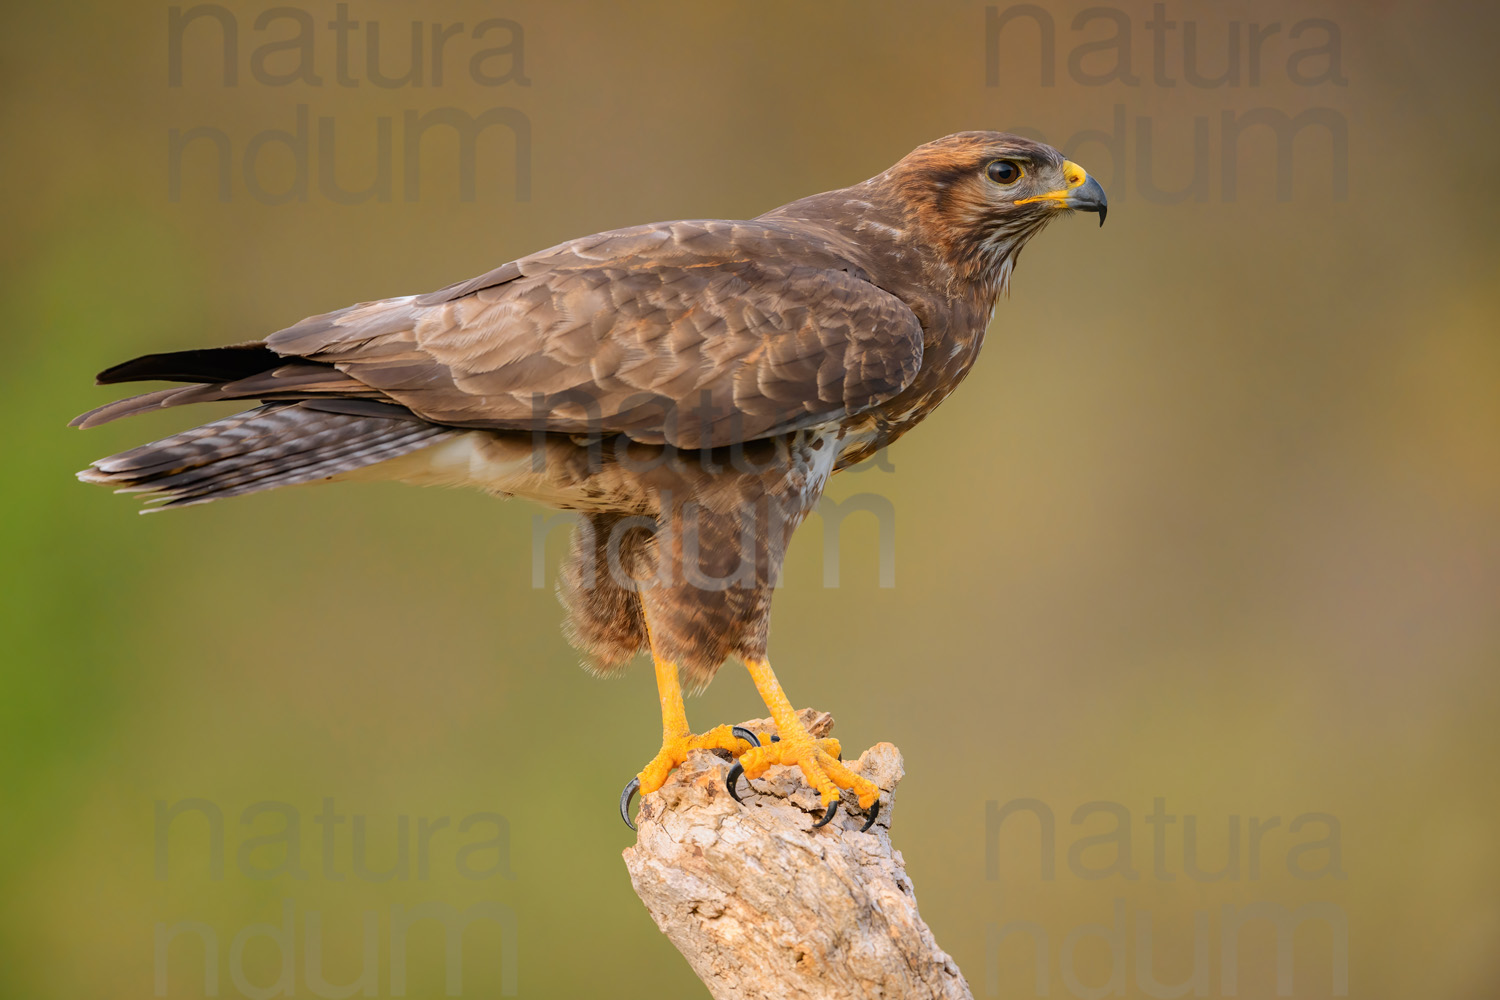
x=279 y=444
x=695 y=381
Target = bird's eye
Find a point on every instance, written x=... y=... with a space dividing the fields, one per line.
x=1003 y=171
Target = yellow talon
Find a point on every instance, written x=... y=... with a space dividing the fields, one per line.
x=818 y=758
x=819 y=761
x=674 y=750
x=676 y=740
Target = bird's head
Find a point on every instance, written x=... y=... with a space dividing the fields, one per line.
x=977 y=197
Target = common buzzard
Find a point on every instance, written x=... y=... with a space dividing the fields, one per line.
x=687 y=387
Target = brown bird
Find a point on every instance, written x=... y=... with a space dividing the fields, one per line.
x=688 y=387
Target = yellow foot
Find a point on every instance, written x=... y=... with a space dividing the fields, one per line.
x=821 y=765
x=674 y=750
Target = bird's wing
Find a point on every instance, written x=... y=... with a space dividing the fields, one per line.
x=696 y=334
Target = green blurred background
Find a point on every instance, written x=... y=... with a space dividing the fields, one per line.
x=1214 y=520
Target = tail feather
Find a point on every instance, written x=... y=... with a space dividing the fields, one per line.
x=277 y=444
x=283 y=463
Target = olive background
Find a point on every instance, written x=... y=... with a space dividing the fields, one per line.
x=1213 y=521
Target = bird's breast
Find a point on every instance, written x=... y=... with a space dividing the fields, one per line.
x=947 y=358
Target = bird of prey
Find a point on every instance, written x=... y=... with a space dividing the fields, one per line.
x=688 y=387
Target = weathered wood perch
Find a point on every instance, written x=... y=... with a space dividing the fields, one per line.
x=764 y=906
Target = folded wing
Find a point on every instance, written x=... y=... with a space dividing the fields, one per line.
x=696 y=334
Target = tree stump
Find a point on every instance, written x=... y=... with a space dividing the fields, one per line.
x=764 y=906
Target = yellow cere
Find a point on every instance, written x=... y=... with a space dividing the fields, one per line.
x=1073 y=174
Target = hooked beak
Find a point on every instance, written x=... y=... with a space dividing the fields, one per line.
x=1089 y=198
x=1082 y=193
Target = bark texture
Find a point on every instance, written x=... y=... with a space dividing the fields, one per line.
x=764 y=906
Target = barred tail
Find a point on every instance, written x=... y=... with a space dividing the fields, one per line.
x=278 y=444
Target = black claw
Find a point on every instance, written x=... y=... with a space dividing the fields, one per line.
x=626 y=796
x=746 y=735
x=732 y=779
x=870 y=817
x=833 y=807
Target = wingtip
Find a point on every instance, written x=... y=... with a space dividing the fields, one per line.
x=91 y=418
